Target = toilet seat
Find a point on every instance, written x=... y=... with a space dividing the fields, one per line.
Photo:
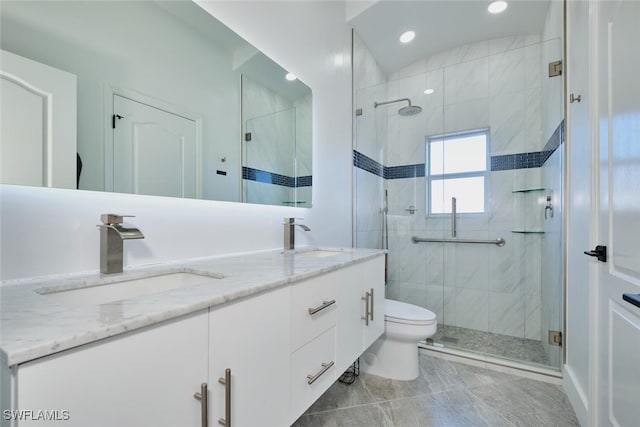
x=407 y=314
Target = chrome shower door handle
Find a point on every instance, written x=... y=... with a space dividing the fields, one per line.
x=226 y=382
x=366 y=299
x=454 y=225
x=203 y=397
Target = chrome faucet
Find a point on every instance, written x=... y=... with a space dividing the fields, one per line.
x=290 y=234
x=112 y=233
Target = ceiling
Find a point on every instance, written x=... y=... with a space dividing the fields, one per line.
x=440 y=25
x=247 y=59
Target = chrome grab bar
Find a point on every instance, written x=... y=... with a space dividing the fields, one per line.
x=498 y=242
x=226 y=382
x=325 y=367
x=203 y=397
x=324 y=305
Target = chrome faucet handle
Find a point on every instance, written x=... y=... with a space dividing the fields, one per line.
x=110 y=218
x=291 y=220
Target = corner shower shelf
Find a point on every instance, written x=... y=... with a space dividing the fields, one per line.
x=528 y=221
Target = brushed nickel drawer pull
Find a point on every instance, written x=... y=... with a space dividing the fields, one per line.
x=325 y=367
x=371 y=312
x=226 y=381
x=324 y=305
x=366 y=297
x=203 y=397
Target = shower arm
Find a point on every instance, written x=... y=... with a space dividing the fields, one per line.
x=377 y=104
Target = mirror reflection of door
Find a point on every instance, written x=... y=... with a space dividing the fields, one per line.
x=154 y=151
x=38 y=123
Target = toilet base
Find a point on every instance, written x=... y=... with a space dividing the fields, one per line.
x=391 y=358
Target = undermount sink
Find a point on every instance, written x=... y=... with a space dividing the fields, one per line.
x=319 y=253
x=100 y=292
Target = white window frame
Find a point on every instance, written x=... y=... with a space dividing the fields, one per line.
x=445 y=176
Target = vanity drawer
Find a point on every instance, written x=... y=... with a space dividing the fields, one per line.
x=314 y=308
x=312 y=372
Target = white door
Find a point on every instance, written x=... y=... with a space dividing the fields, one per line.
x=619 y=135
x=154 y=152
x=37 y=123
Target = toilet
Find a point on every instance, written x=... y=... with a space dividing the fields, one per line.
x=395 y=354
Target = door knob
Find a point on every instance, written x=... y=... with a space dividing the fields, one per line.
x=599 y=252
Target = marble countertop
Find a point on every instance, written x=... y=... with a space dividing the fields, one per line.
x=34 y=325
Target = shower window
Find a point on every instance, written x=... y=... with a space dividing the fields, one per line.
x=457 y=166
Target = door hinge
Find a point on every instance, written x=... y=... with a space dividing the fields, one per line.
x=113 y=120
x=247 y=136
x=555 y=68
x=555 y=338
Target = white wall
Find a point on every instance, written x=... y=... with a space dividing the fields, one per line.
x=47 y=231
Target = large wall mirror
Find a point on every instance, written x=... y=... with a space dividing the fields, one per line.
x=149 y=97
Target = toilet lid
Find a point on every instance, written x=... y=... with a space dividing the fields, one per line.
x=401 y=312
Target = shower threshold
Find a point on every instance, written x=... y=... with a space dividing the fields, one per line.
x=537 y=372
x=499 y=346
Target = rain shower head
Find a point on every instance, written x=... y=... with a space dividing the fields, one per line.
x=409 y=110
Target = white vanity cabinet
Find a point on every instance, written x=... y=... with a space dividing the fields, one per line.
x=314 y=311
x=251 y=338
x=360 y=321
x=146 y=377
x=264 y=358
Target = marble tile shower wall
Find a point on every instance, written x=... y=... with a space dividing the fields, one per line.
x=495 y=84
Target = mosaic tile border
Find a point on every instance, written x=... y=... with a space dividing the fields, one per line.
x=533 y=159
x=266 y=177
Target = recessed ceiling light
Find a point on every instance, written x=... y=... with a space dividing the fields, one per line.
x=428 y=91
x=407 y=36
x=497 y=6
x=291 y=77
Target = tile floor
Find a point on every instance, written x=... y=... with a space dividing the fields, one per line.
x=446 y=394
x=513 y=348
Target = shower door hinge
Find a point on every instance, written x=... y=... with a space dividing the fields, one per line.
x=555 y=338
x=555 y=68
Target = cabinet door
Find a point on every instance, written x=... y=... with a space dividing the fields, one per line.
x=142 y=378
x=354 y=333
x=251 y=337
x=373 y=278
x=350 y=323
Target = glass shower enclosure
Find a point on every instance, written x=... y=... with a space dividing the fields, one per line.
x=467 y=195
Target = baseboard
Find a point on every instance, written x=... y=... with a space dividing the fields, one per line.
x=576 y=396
